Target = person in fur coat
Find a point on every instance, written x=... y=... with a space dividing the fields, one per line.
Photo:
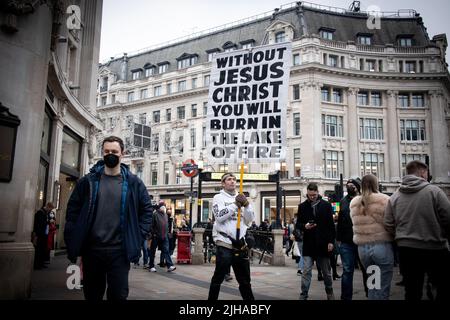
x=369 y=234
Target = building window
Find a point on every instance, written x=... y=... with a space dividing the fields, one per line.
x=326 y=34
x=297 y=163
x=247 y=45
x=154 y=173
x=206 y=81
x=412 y=130
x=155 y=142
x=163 y=68
x=332 y=126
x=166 y=172
x=144 y=93
x=337 y=95
x=135 y=75
x=194 y=83
x=156 y=116
x=418 y=100
x=410 y=67
x=149 y=72
x=187 y=62
x=143 y=118
x=168 y=114
x=157 y=91
x=193 y=138
x=103 y=101
x=365 y=40
x=333 y=163
x=178 y=174
x=405 y=41
x=169 y=88
x=130 y=96
x=180 y=143
x=204 y=137
x=205 y=108
x=371 y=129
x=372 y=163
x=193 y=110
x=223 y=167
x=403 y=100
x=129 y=121
x=113 y=98
x=375 y=99
x=167 y=141
x=370 y=65
x=332 y=61
x=181 y=85
x=181 y=112
x=296 y=92
x=406 y=158
x=70 y=152
x=280 y=37
x=211 y=56
x=140 y=170
x=296 y=59
x=326 y=96
x=363 y=98
x=296 y=124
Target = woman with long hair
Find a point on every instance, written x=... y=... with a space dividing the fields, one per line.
x=374 y=242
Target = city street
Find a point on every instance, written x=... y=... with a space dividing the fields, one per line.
x=191 y=282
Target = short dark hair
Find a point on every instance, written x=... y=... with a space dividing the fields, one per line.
x=114 y=139
x=312 y=186
x=415 y=166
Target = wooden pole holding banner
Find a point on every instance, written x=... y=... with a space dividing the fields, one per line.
x=241 y=188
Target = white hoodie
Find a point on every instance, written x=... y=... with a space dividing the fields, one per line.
x=225 y=214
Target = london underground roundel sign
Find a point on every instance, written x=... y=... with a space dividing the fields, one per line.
x=190 y=168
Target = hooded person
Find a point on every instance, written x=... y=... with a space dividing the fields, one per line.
x=418 y=216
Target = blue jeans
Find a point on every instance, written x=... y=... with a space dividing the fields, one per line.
x=145 y=251
x=379 y=254
x=164 y=245
x=324 y=263
x=301 y=262
x=348 y=253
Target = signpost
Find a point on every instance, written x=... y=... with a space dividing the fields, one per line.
x=190 y=170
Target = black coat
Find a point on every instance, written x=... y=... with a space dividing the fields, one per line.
x=344 y=224
x=316 y=240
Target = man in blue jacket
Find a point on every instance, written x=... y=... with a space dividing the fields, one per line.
x=108 y=215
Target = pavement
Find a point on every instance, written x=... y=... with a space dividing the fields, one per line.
x=191 y=282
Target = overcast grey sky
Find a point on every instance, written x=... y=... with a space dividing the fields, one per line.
x=132 y=25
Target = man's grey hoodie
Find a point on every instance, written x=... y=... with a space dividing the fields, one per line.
x=418 y=215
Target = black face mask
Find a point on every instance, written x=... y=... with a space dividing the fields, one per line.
x=111 y=160
x=351 y=191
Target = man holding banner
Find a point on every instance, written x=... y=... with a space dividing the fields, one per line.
x=231 y=250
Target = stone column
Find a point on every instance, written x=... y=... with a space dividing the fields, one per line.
x=311 y=131
x=352 y=134
x=24 y=57
x=278 y=254
x=198 y=256
x=393 y=139
x=439 y=157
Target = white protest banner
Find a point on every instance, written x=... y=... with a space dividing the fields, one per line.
x=247 y=104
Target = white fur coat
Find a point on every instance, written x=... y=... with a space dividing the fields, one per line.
x=368 y=226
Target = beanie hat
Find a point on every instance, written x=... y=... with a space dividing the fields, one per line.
x=356 y=182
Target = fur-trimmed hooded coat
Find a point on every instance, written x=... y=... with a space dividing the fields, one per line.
x=368 y=220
